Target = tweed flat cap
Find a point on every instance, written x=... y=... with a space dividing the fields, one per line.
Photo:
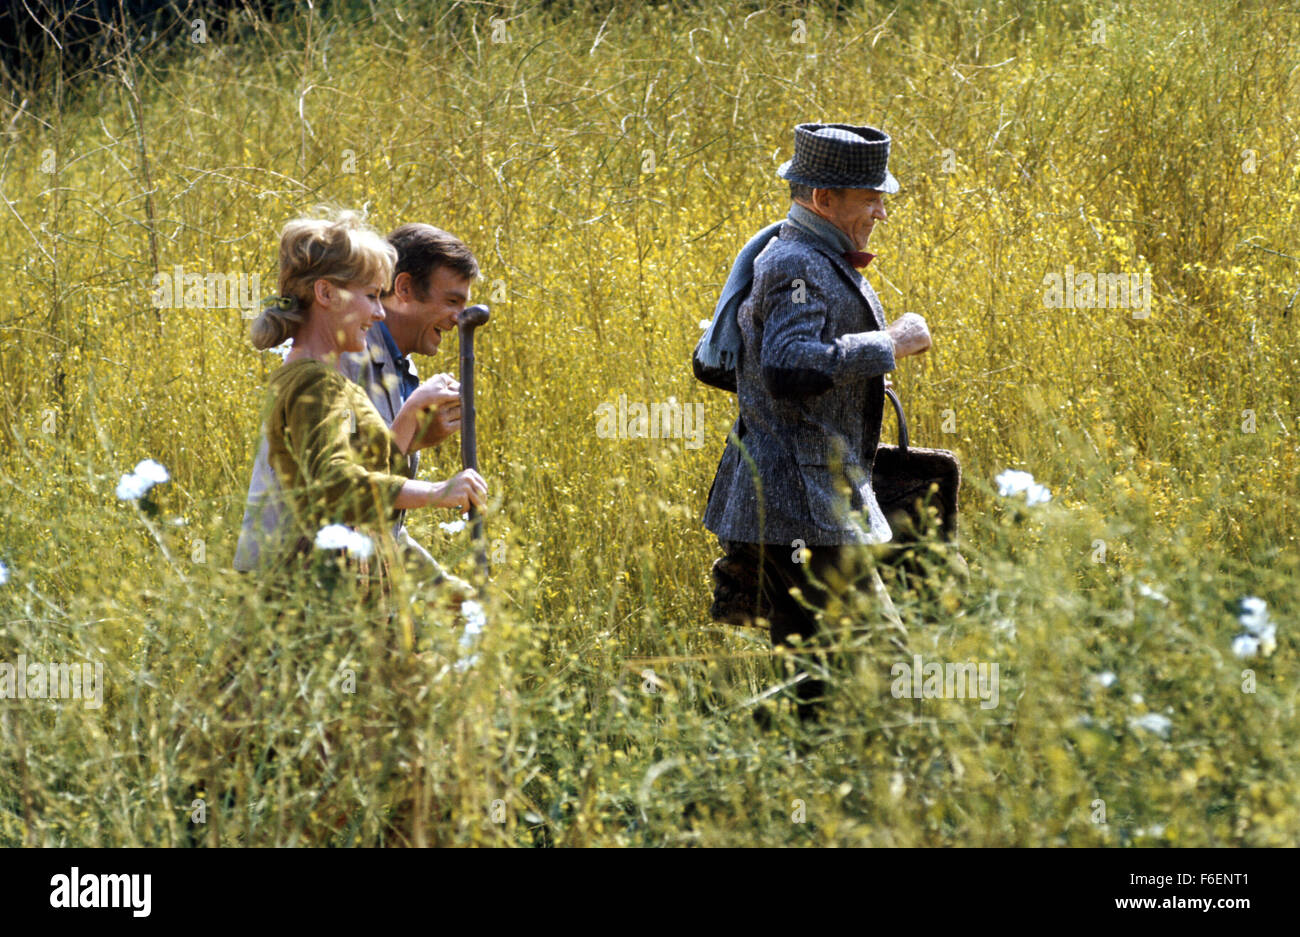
x=840 y=156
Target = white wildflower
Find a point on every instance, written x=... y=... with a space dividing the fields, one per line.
x=283 y=348
x=361 y=546
x=1261 y=631
x=1152 y=722
x=1254 y=615
x=333 y=537
x=705 y=323
x=1245 y=645
x=4 y=573
x=1012 y=482
x=132 y=487
x=1268 y=641
x=340 y=537
x=135 y=485
x=475 y=620
x=1157 y=830
x=151 y=472
x=1106 y=679
x=1254 y=606
x=1144 y=589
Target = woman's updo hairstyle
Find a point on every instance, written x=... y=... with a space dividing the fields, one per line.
x=340 y=248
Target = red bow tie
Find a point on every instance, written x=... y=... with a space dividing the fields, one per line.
x=859 y=259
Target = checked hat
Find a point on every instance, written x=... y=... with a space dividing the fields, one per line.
x=840 y=156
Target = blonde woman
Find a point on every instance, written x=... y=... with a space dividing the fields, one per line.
x=337 y=461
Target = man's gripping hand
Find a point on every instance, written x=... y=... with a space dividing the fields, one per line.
x=437 y=401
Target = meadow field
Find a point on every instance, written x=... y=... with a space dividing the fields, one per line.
x=606 y=161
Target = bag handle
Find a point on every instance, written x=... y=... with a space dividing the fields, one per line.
x=902 y=420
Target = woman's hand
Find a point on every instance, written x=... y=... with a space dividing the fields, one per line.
x=461 y=490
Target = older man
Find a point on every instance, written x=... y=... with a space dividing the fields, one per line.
x=431 y=287
x=794 y=484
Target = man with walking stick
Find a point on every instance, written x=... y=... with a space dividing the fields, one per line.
x=811 y=352
x=430 y=288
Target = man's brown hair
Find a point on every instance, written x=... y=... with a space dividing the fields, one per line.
x=422 y=249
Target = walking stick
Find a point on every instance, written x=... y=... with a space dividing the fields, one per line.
x=468 y=321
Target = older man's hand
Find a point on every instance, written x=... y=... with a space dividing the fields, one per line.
x=910 y=334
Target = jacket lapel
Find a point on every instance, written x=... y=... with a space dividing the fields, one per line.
x=395 y=390
x=846 y=270
x=384 y=373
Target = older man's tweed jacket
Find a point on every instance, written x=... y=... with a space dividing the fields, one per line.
x=811 y=392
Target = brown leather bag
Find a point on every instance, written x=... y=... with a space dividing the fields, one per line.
x=917 y=490
x=907 y=480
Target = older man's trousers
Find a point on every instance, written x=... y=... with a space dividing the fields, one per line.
x=823 y=577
